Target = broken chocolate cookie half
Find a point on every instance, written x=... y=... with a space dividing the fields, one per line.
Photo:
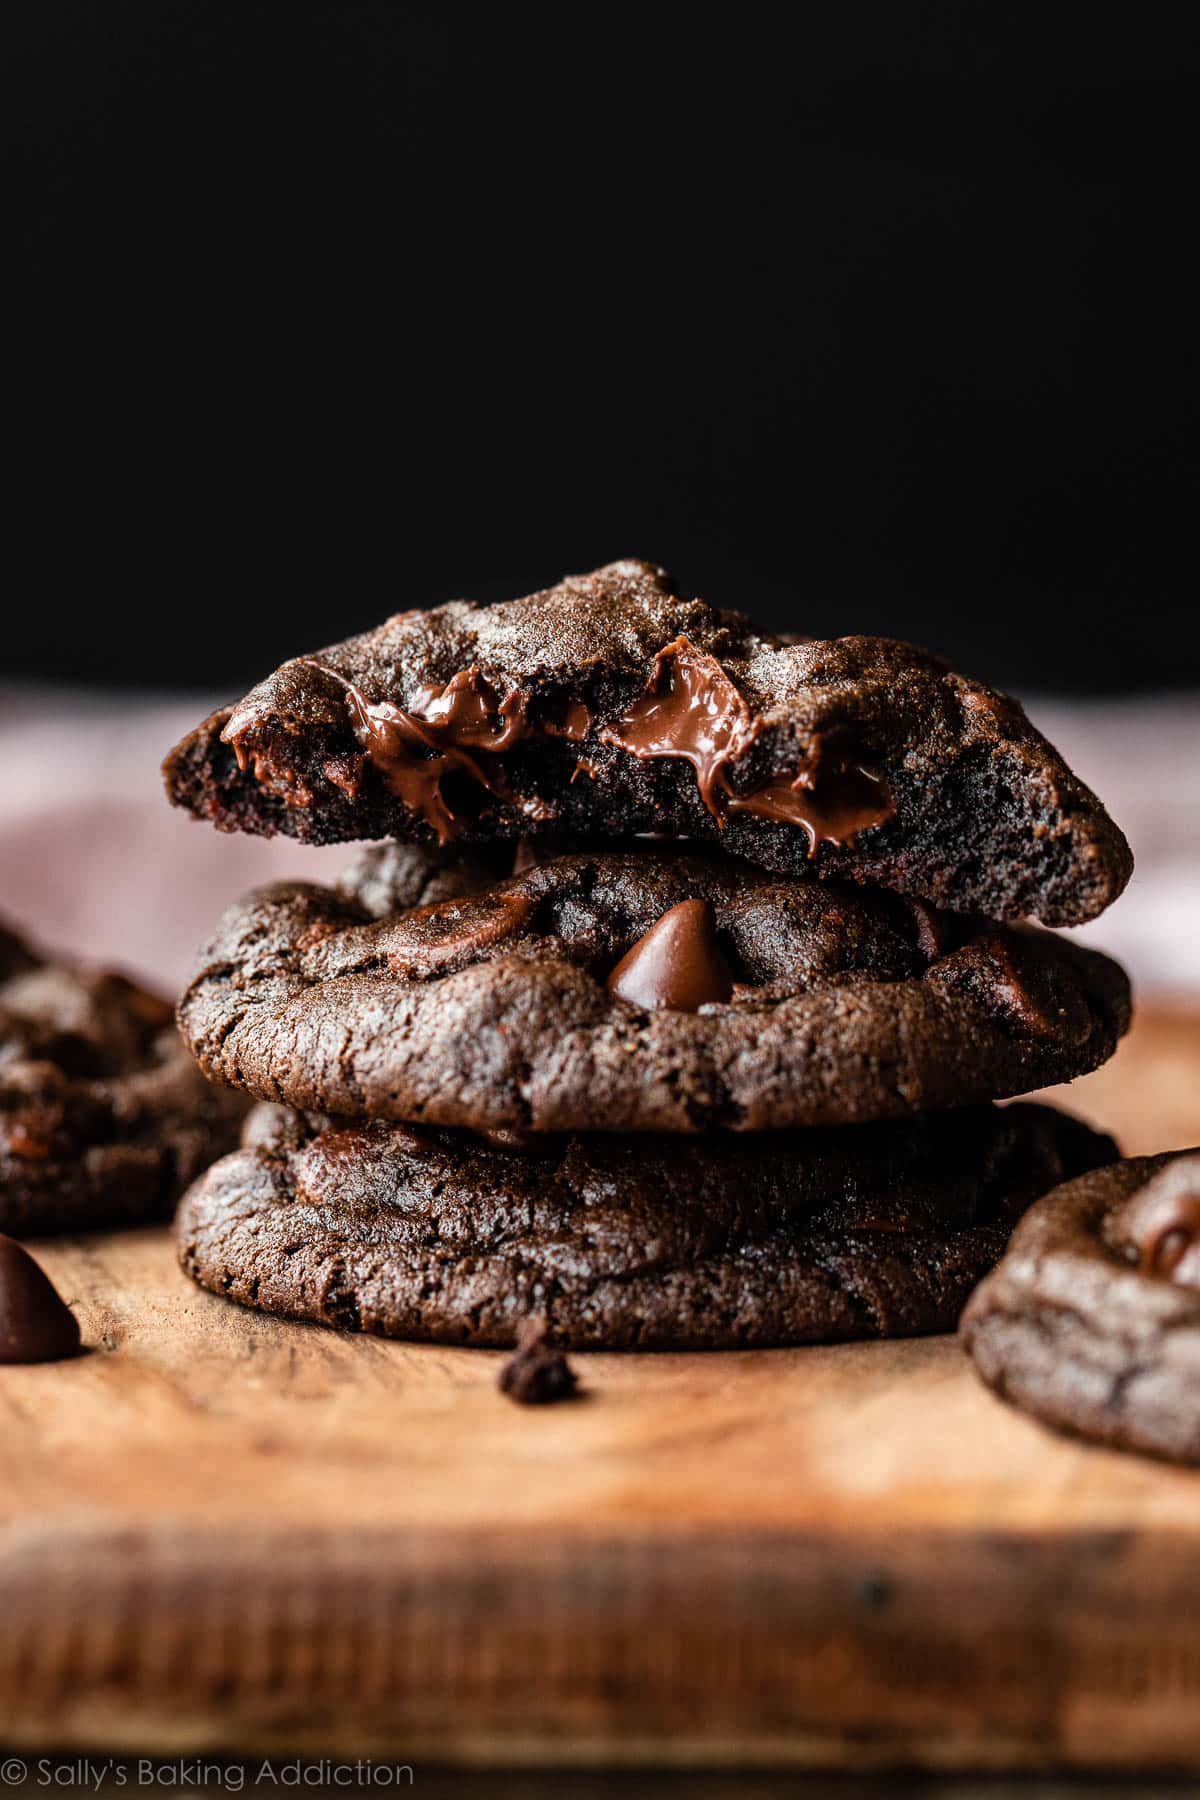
x=669 y=1011
x=608 y=705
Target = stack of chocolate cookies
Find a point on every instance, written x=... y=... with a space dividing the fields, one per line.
x=674 y=1004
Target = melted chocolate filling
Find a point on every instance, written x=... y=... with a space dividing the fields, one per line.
x=445 y=732
x=692 y=709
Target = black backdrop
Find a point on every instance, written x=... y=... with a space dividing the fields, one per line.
x=323 y=310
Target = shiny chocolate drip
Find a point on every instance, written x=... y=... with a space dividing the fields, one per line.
x=691 y=709
x=35 y=1323
x=446 y=729
x=465 y=713
x=831 y=805
x=677 y=965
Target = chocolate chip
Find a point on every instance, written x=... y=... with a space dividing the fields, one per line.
x=677 y=964
x=35 y=1323
x=536 y=1375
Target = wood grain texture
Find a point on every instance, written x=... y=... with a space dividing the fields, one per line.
x=218 y=1531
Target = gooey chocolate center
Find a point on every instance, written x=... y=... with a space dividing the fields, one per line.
x=691 y=709
x=447 y=729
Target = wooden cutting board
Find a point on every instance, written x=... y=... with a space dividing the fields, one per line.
x=221 y=1532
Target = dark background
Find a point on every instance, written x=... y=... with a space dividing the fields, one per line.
x=318 y=311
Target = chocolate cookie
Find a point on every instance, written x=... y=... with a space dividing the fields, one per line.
x=653 y=989
x=607 y=706
x=623 y=1243
x=104 y=1118
x=1092 y=1320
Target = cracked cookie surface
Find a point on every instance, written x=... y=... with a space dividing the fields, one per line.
x=608 y=706
x=508 y=1008
x=623 y=1243
x=104 y=1117
x=1091 y=1322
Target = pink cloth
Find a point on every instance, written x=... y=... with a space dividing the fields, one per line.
x=93 y=860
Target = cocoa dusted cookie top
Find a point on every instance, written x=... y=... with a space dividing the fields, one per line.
x=608 y=706
x=618 y=1242
x=1092 y=1320
x=104 y=1118
x=661 y=988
